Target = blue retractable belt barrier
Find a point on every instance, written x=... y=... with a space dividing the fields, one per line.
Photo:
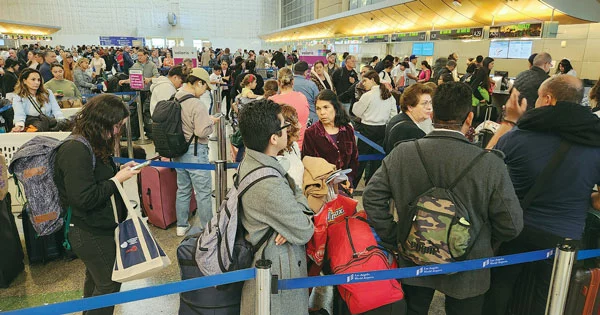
x=371 y=157
x=5 y=108
x=88 y=96
x=188 y=166
x=289 y=284
x=418 y=271
x=369 y=142
x=138 y=294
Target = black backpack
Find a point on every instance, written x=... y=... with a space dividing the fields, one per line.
x=167 y=129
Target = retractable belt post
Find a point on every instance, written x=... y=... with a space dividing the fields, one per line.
x=142 y=139
x=221 y=163
x=129 y=141
x=561 y=276
x=263 y=287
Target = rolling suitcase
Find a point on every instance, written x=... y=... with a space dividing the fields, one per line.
x=10 y=245
x=210 y=301
x=158 y=192
x=41 y=248
x=583 y=292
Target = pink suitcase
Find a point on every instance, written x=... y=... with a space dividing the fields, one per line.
x=158 y=190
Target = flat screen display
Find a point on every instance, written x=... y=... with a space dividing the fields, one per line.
x=1 y=42
x=520 y=49
x=499 y=49
x=422 y=49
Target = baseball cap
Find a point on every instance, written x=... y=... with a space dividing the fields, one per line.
x=412 y=57
x=202 y=75
x=301 y=66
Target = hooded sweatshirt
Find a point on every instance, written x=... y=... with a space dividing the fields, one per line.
x=162 y=89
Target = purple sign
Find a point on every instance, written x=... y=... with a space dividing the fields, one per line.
x=136 y=79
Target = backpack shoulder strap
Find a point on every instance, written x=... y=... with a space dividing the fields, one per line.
x=546 y=174
x=420 y=153
x=254 y=177
x=468 y=168
x=185 y=98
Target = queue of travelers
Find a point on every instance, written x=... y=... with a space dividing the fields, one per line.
x=319 y=112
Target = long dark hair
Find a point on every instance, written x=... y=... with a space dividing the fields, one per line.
x=96 y=123
x=566 y=66
x=426 y=64
x=384 y=92
x=341 y=117
x=482 y=75
x=41 y=95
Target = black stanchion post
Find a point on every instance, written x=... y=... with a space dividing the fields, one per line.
x=129 y=142
x=263 y=287
x=143 y=139
x=561 y=276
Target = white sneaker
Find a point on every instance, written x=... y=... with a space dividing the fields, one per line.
x=181 y=230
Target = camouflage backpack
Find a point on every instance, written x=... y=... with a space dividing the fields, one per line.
x=442 y=229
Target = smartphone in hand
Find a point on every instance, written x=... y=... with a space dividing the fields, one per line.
x=140 y=166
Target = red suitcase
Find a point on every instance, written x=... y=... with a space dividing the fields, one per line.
x=158 y=191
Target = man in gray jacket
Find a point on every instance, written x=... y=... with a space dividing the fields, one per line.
x=275 y=203
x=486 y=190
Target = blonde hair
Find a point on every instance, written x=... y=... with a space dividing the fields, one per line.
x=41 y=95
x=285 y=77
x=80 y=61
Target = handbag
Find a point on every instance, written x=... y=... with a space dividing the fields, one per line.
x=138 y=254
x=42 y=122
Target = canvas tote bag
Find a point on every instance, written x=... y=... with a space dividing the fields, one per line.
x=138 y=254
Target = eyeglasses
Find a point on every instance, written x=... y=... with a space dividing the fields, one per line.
x=285 y=126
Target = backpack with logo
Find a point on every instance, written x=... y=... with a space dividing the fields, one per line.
x=167 y=128
x=442 y=229
x=33 y=166
x=222 y=246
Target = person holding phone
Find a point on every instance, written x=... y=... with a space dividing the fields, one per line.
x=83 y=170
x=62 y=87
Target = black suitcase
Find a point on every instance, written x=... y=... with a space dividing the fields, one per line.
x=583 y=292
x=209 y=301
x=41 y=248
x=11 y=263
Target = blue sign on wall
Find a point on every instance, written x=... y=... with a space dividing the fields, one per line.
x=120 y=40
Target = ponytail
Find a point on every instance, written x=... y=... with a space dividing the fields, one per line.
x=385 y=92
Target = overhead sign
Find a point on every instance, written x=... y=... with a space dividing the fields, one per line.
x=349 y=40
x=181 y=53
x=459 y=33
x=122 y=41
x=377 y=39
x=409 y=37
x=516 y=30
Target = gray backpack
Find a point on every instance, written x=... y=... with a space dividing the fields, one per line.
x=33 y=166
x=222 y=246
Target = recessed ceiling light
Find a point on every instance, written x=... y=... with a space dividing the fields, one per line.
x=457 y=3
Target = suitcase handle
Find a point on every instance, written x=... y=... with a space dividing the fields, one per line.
x=149 y=193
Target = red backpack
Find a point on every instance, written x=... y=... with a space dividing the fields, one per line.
x=352 y=248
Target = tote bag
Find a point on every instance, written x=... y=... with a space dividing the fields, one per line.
x=138 y=254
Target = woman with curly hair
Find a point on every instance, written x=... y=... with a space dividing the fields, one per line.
x=290 y=157
x=84 y=173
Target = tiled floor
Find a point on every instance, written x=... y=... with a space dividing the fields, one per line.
x=62 y=280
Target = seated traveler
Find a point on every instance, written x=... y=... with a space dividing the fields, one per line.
x=33 y=104
x=61 y=87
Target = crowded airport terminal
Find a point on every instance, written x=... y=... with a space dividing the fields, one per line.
x=300 y=157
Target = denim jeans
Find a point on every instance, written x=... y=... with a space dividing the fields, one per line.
x=98 y=253
x=200 y=181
